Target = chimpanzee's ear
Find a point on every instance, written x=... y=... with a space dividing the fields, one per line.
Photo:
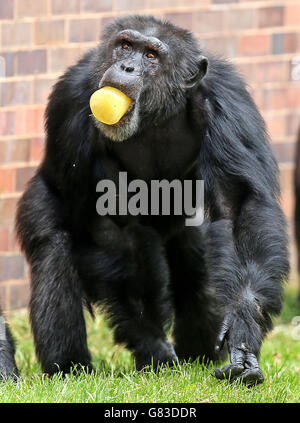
x=201 y=72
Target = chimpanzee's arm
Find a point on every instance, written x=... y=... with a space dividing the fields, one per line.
x=248 y=261
x=246 y=240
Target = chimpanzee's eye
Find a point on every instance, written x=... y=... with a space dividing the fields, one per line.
x=126 y=46
x=151 y=55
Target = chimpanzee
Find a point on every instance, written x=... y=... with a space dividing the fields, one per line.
x=297 y=203
x=8 y=368
x=191 y=118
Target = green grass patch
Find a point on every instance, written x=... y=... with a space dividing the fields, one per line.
x=115 y=379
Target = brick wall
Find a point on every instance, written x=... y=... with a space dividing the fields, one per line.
x=40 y=38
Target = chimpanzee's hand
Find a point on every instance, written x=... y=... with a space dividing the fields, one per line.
x=243 y=360
x=8 y=369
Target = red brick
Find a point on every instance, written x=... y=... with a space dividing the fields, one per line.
x=4 y=238
x=293 y=96
x=184 y=20
x=7 y=122
x=61 y=58
x=7 y=180
x=21 y=123
x=209 y=21
x=40 y=119
x=11 y=267
x=265 y=71
x=60 y=7
x=130 y=4
x=157 y=4
x=292 y=14
x=37 y=146
x=8 y=238
x=7 y=210
x=270 y=16
x=276 y=125
x=29 y=121
x=42 y=88
x=224 y=1
x=97 y=6
x=83 y=30
x=284 y=43
x=14 y=151
x=10 y=61
x=293 y=123
x=49 y=32
x=284 y=151
x=31 y=62
x=291 y=43
x=14 y=93
x=16 y=34
x=19 y=295
x=23 y=175
x=31 y=8
x=286 y=182
x=255 y=45
x=225 y=46
x=7 y=9
x=275 y=98
x=240 y=19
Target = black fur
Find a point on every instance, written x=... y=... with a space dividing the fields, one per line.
x=8 y=367
x=222 y=280
x=297 y=203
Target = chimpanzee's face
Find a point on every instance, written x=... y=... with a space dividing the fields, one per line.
x=149 y=71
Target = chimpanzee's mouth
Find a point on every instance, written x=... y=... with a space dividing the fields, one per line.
x=126 y=118
x=127 y=91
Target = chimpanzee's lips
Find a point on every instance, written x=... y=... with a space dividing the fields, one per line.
x=127 y=90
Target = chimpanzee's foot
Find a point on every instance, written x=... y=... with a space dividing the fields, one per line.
x=158 y=352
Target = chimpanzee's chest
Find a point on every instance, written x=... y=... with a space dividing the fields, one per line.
x=168 y=153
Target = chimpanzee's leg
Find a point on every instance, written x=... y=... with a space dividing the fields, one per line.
x=56 y=293
x=127 y=271
x=197 y=319
x=8 y=368
x=297 y=232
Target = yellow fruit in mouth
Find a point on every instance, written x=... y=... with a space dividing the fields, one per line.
x=109 y=105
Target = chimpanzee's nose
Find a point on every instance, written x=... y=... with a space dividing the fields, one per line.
x=127 y=68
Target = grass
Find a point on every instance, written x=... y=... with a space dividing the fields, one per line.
x=115 y=379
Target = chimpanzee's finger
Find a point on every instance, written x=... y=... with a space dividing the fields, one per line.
x=252 y=374
x=228 y=372
x=222 y=333
x=250 y=377
x=236 y=367
x=251 y=360
x=238 y=356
